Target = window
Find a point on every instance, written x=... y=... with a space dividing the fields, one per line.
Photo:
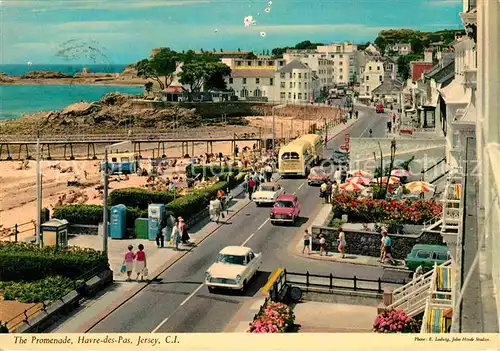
x=251 y=255
x=305 y=75
x=305 y=96
x=231 y=259
x=257 y=80
x=244 y=81
x=369 y=68
x=378 y=68
x=290 y=75
x=282 y=95
x=257 y=93
x=367 y=78
x=341 y=56
x=294 y=84
x=259 y=63
x=289 y=95
x=338 y=48
x=291 y=85
x=244 y=93
x=423 y=254
x=441 y=256
x=230 y=80
x=341 y=63
x=294 y=96
x=282 y=85
x=282 y=75
x=341 y=70
x=379 y=78
x=300 y=96
x=300 y=85
x=300 y=75
x=114 y=159
x=271 y=81
x=305 y=85
x=294 y=75
x=238 y=63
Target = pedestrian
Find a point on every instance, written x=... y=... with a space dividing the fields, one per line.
x=307 y=242
x=160 y=237
x=268 y=172
x=140 y=263
x=419 y=271
x=329 y=190
x=250 y=186
x=336 y=175
x=386 y=245
x=399 y=192
x=322 y=191
x=215 y=210
x=342 y=244
x=175 y=237
x=371 y=132
x=335 y=188
x=183 y=230
x=357 y=114
x=236 y=150
x=322 y=245
x=343 y=175
x=128 y=262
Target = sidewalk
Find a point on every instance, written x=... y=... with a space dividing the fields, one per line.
x=96 y=309
x=241 y=320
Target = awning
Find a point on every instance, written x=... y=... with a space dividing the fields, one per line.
x=455 y=93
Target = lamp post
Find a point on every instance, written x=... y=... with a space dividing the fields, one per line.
x=274 y=124
x=38 y=194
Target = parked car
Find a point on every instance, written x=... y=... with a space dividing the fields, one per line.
x=286 y=209
x=267 y=193
x=379 y=108
x=234 y=267
x=317 y=176
x=340 y=158
x=427 y=255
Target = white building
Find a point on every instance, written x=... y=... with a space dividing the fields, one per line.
x=373 y=76
x=253 y=79
x=296 y=83
x=373 y=50
x=402 y=49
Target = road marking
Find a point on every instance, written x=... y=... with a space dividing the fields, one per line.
x=192 y=294
x=300 y=186
x=369 y=126
x=160 y=325
x=251 y=236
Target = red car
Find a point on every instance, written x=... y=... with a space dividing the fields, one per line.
x=286 y=209
x=379 y=108
x=317 y=176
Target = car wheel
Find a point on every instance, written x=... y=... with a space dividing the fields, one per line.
x=294 y=220
x=211 y=289
x=243 y=288
x=257 y=204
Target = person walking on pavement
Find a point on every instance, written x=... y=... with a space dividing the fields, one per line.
x=329 y=190
x=307 y=242
x=386 y=248
x=160 y=237
x=140 y=263
x=357 y=114
x=128 y=262
x=322 y=245
x=322 y=191
x=268 y=172
x=342 y=244
x=371 y=132
x=343 y=175
x=250 y=186
x=215 y=210
x=175 y=237
x=336 y=175
x=419 y=271
x=183 y=230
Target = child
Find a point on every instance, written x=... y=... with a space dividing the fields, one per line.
x=128 y=262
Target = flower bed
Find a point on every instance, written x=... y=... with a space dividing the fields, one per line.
x=274 y=317
x=395 y=321
x=364 y=210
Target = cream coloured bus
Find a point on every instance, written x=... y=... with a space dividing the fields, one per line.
x=316 y=143
x=295 y=158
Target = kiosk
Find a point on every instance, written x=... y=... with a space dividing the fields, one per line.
x=118 y=220
x=156 y=213
x=55 y=233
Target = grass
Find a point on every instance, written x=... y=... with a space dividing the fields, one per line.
x=47 y=289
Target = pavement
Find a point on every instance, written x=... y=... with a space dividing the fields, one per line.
x=178 y=301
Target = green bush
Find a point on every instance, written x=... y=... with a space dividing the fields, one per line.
x=28 y=262
x=47 y=289
x=209 y=170
x=139 y=198
x=4 y=329
x=79 y=214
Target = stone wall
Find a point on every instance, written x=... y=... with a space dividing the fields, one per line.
x=368 y=243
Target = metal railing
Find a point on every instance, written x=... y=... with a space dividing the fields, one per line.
x=343 y=283
x=15 y=230
x=28 y=313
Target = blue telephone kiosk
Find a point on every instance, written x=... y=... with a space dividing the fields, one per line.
x=156 y=213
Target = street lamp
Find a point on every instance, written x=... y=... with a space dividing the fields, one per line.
x=38 y=217
x=105 y=213
x=274 y=124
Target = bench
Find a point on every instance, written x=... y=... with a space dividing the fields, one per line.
x=437 y=321
x=443 y=281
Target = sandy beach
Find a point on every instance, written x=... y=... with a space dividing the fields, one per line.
x=18 y=186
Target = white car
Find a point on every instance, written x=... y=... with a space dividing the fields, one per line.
x=234 y=268
x=267 y=193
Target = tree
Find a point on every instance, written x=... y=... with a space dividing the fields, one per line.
x=250 y=56
x=417 y=45
x=204 y=71
x=162 y=65
x=381 y=43
x=193 y=74
x=216 y=74
x=148 y=87
x=403 y=67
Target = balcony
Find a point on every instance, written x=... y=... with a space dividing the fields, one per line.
x=451 y=225
x=470 y=77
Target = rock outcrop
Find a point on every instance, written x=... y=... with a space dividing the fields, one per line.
x=44 y=75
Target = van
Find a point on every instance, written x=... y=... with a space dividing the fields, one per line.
x=316 y=143
x=428 y=255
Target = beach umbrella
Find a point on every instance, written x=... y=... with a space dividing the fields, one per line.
x=400 y=173
x=419 y=187
x=351 y=187
x=358 y=180
x=360 y=173
x=383 y=180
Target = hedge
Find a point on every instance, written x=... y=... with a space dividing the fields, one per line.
x=28 y=262
x=210 y=170
x=139 y=198
x=47 y=289
x=92 y=214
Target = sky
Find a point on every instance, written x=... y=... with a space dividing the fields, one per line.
x=124 y=31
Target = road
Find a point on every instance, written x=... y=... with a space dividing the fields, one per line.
x=180 y=302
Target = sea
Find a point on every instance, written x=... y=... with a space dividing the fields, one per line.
x=16 y=100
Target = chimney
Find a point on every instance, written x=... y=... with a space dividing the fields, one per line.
x=428 y=56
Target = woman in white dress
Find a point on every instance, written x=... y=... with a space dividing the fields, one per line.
x=342 y=244
x=175 y=237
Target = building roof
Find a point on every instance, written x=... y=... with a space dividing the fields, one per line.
x=293 y=65
x=388 y=86
x=252 y=73
x=418 y=69
x=438 y=71
x=444 y=81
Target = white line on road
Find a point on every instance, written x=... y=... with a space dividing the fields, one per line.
x=300 y=187
x=192 y=294
x=251 y=236
x=160 y=325
x=369 y=125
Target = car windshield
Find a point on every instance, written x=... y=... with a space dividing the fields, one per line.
x=283 y=204
x=267 y=188
x=231 y=259
x=317 y=171
x=290 y=156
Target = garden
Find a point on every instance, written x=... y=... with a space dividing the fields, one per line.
x=30 y=274
x=185 y=203
x=274 y=317
x=395 y=321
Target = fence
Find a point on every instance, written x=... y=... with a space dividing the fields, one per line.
x=344 y=283
x=14 y=231
x=25 y=316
